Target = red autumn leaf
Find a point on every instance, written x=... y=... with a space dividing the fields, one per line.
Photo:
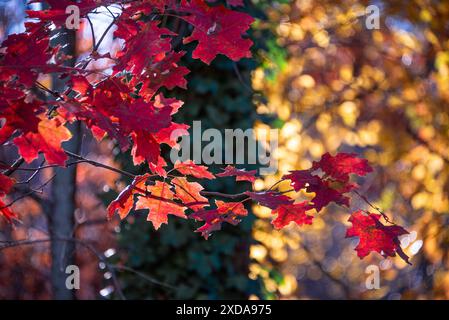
x=143 y=116
x=374 y=236
x=301 y=178
x=23 y=54
x=171 y=134
x=324 y=190
x=218 y=30
x=240 y=174
x=125 y=200
x=269 y=199
x=141 y=49
x=6 y=212
x=158 y=168
x=325 y=194
x=48 y=140
x=19 y=115
x=81 y=85
x=343 y=164
x=160 y=203
x=229 y=212
x=127 y=26
x=189 y=168
x=287 y=213
x=110 y=110
x=145 y=147
x=189 y=193
x=6 y=184
x=164 y=71
x=98 y=121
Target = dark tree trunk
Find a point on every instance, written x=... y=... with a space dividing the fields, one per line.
x=61 y=212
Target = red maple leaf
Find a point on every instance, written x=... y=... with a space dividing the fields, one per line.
x=240 y=174
x=145 y=147
x=269 y=199
x=164 y=71
x=343 y=164
x=141 y=49
x=6 y=184
x=48 y=139
x=189 y=193
x=19 y=115
x=218 y=30
x=143 y=116
x=6 y=212
x=189 y=168
x=325 y=194
x=287 y=213
x=323 y=189
x=161 y=204
x=302 y=178
x=125 y=200
x=24 y=53
x=229 y=212
x=374 y=236
x=170 y=134
x=158 y=168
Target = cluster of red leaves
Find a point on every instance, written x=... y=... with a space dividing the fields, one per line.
x=127 y=106
x=328 y=179
x=132 y=112
x=6 y=184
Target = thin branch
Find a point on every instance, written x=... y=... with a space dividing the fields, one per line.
x=365 y=199
x=240 y=78
x=48 y=90
x=100 y=165
x=31 y=177
x=114 y=18
x=222 y=195
x=32 y=191
x=143 y=276
x=91 y=30
x=14 y=166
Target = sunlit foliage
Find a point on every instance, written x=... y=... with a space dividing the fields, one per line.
x=337 y=86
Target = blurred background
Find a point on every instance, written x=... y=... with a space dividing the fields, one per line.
x=329 y=83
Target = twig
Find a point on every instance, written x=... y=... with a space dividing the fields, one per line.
x=144 y=276
x=14 y=166
x=41 y=187
x=365 y=199
x=31 y=177
x=91 y=30
x=98 y=164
